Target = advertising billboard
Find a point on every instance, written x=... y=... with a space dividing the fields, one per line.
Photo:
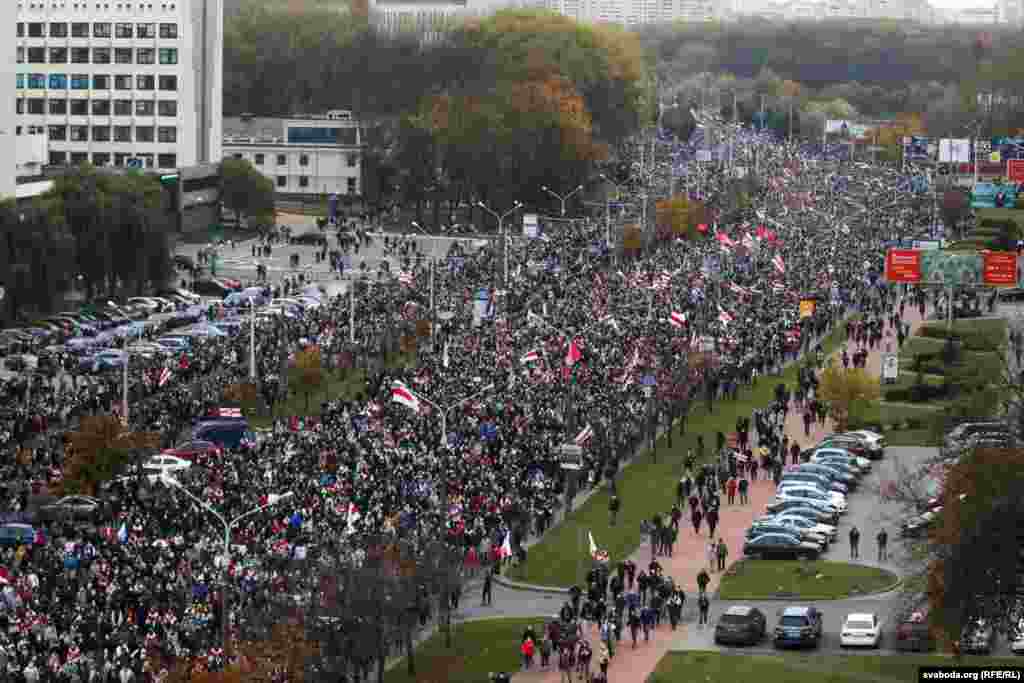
x=993 y=195
x=938 y=267
x=1015 y=170
x=903 y=265
x=954 y=151
x=999 y=268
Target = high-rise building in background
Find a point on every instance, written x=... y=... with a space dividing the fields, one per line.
x=120 y=82
x=8 y=121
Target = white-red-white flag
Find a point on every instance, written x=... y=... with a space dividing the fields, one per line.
x=530 y=357
x=779 y=264
x=724 y=316
x=584 y=436
x=677 y=319
x=401 y=394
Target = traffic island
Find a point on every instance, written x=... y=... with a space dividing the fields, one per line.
x=803 y=580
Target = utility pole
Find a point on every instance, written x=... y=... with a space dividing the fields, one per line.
x=762 y=112
x=791 y=120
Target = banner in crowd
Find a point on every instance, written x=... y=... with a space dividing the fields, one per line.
x=1015 y=170
x=845 y=128
x=939 y=267
x=531 y=227
x=954 y=151
x=993 y=195
x=807 y=308
x=917 y=148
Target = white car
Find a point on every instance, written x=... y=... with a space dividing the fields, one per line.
x=158 y=465
x=827 y=530
x=151 y=305
x=821 y=453
x=876 y=441
x=835 y=501
x=862 y=629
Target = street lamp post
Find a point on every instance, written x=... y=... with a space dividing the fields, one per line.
x=559 y=197
x=501 y=222
x=228 y=525
x=443 y=410
x=252 y=340
x=608 y=209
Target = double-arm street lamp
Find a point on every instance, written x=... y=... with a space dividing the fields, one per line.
x=443 y=410
x=228 y=525
x=559 y=197
x=501 y=227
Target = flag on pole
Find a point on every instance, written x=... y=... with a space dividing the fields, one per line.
x=401 y=394
x=724 y=316
x=444 y=359
x=506 y=546
x=724 y=240
x=530 y=357
x=677 y=319
x=779 y=265
x=165 y=376
x=593 y=546
x=573 y=355
x=406 y=278
x=584 y=436
x=122 y=534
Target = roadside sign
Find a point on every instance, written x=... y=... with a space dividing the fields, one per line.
x=530 y=225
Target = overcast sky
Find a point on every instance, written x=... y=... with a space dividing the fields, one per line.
x=960 y=4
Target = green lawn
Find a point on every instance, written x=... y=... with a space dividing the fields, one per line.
x=804 y=667
x=818 y=580
x=1015 y=215
x=645 y=488
x=478 y=648
x=884 y=415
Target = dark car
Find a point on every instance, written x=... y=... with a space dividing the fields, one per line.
x=72 y=507
x=741 y=625
x=913 y=633
x=854 y=445
x=194 y=449
x=826 y=515
x=209 y=287
x=760 y=528
x=784 y=546
x=798 y=627
x=229 y=434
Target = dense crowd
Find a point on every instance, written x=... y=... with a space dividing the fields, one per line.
x=560 y=353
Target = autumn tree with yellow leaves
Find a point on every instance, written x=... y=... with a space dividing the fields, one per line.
x=678 y=216
x=100 y=449
x=843 y=388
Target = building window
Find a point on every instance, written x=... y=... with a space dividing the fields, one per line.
x=122 y=107
x=20 y=81
x=101 y=133
x=100 y=55
x=303 y=160
x=282 y=181
x=36 y=105
x=37 y=81
x=168 y=108
x=58 y=133
x=238 y=155
x=101 y=108
x=258 y=159
x=120 y=158
x=101 y=29
x=79 y=81
x=167 y=134
x=80 y=29
x=303 y=181
x=144 y=107
x=58 y=30
x=144 y=55
x=168 y=30
x=122 y=133
x=351 y=160
x=58 y=55
x=58 y=82
x=58 y=158
x=143 y=133
x=168 y=55
x=122 y=82
x=19 y=55
x=79 y=107
x=145 y=30
x=37 y=55
x=21 y=29
x=58 y=107
x=101 y=158
x=167 y=161
x=80 y=55
x=144 y=82
x=35 y=30
x=101 y=82
x=351 y=185
x=122 y=30
x=79 y=133
x=168 y=83
x=19 y=105
x=79 y=158
x=123 y=55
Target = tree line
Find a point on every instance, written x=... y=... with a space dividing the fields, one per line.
x=98 y=233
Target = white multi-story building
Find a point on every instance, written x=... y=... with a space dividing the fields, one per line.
x=430 y=19
x=8 y=121
x=304 y=154
x=121 y=82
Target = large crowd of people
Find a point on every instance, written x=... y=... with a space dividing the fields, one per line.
x=558 y=354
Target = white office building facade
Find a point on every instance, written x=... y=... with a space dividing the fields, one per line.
x=121 y=82
x=302 y=155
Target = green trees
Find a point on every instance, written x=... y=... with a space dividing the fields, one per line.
x=247 y=192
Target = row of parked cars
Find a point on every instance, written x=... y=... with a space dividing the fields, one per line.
x=797 y=626
x=801 y=521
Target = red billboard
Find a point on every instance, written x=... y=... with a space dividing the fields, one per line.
x=999 y=268
x=903 y=265
x=1015 y=170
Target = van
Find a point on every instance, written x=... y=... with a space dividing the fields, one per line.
x=229 y=433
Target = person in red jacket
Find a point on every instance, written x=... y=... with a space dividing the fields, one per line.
x=527 y=649
x=730 y=490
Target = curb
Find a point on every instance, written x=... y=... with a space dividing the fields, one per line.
x=528 y=587
x=881 y=591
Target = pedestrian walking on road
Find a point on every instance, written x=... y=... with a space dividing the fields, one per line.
x=613 y=509
x=712 y=517
x=883 y=539
x=722 y=552
x=695 y=519
x=712 y=554
x=486 y=597
x=854 y=542
x=744 y=487
x=703 y=605
x=703 y=579
x=730 y=490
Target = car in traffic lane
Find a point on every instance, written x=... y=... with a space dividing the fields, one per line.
x=777 y=545
x=861 y=629
x=798 y=626
x=741 y=625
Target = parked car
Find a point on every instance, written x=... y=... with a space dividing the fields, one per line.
x=795 y=476
x=741 y=625
x=913 y=632
x=108 y=359
x=804 y=508
x=780 y=546
x=874 y=442
x=847 y=464
x=831 y=472
x=211 y=287
x=73 y=507
x=978 y=637
x=918 y=525
x=161 y=464
x=829 y=531
x=861 y=629
x=821 y=452
x=830 y=499
x=193 y=449
x=799 y=627
x=851 y=444
x=762 y=527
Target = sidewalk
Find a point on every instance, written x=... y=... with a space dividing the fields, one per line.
x=690 y=552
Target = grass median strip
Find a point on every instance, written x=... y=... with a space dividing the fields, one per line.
x=722 y=667
x=818 y=580
x=646 y=487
